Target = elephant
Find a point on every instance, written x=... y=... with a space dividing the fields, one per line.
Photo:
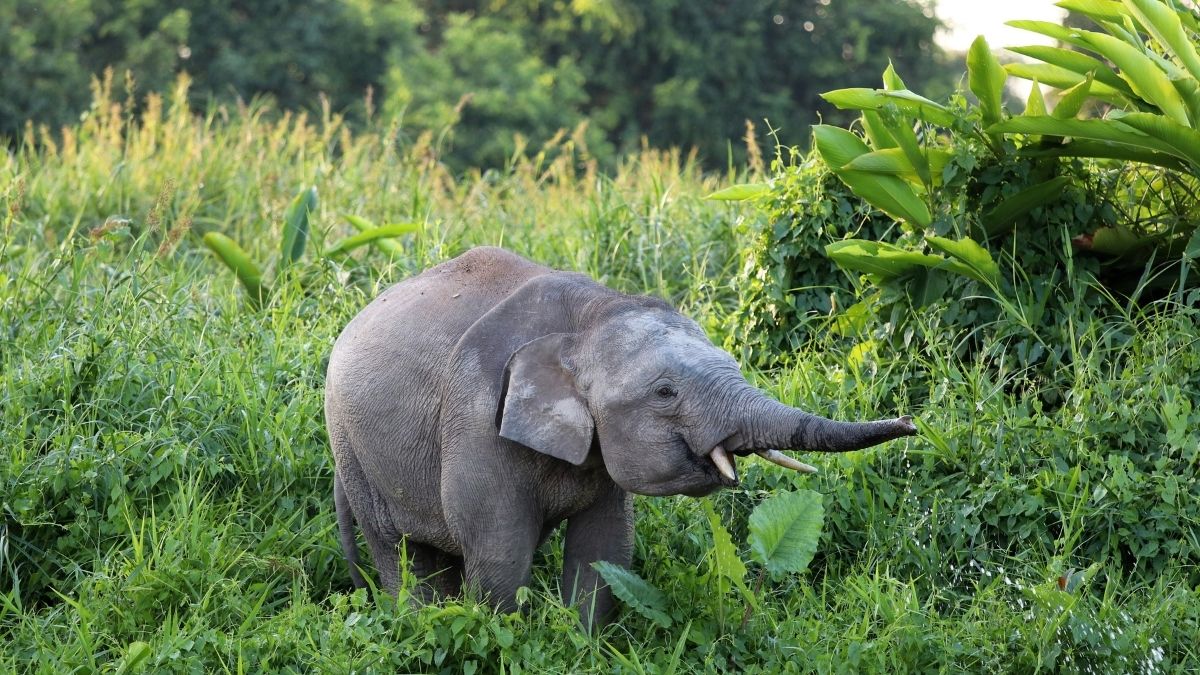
x=474 y=407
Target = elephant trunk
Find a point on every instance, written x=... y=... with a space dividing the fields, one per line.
x=769 y=425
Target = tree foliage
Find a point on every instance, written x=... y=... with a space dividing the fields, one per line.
x=674 y=73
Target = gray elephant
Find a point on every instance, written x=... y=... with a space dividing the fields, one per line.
x=475 y=407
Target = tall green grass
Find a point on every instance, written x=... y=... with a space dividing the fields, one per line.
x=165 y=480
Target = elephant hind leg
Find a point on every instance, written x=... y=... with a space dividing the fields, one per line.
x=438 y=574
x=345 y=520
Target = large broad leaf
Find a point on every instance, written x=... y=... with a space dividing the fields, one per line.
x=1071 y=101
x=891 y=80
x=1167 y=27
x=1101 y=150
x=1059 y=77
x=877 y=131
x=838 y=147
x=906 y=101
x=1100 y=10
x=295 y=227
x=1011 y=208
x=1113 y=241
x=635 y=591
x=1147 y=79
x=895 y=161
x=1184 y=139
x=785 y=529
x=386 y=232
x=986 y=78
x=1057 y=31
x=737 y=193
x=243 y=267
x=1076 y=62
x=968 y=252
x=884 y=262
x=1035 y=105
x=1097 y=130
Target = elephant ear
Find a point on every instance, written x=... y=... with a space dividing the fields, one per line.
x=542 y=409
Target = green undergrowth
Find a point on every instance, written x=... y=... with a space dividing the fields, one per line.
x=165 y=478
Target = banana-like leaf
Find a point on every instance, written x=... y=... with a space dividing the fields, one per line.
x=889 y=194
x=1072 y=99
x=385 y=244
x=883 y=262
x=895 y=162
x=239 y=261
x=738 y=193
x=906 y=138
x=1035 y=105
x=877 y=131
x=1000 y=218
x=1053 y=30
x=1166 y=27
x=1100 y=150
x=874 y=99
x=1061 y=78
x=1076 y=62
x=1097 y=130
x=891 y=80
x=973 y=256
x=354 y=241
x=1101 y=10
x=986 y=78
x=1144 y=76
x=295 y=228
x=1185 y=140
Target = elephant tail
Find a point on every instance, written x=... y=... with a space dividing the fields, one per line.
x=345 y=519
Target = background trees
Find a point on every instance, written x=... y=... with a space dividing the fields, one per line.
x=678 y=73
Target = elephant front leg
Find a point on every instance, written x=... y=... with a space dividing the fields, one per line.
x=603 y=531
x=498 y=546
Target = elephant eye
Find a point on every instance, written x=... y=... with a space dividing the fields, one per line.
x=667 y=391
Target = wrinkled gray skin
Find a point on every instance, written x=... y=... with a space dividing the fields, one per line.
x=475 y=407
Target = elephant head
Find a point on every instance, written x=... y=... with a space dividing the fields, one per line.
x=669 y=411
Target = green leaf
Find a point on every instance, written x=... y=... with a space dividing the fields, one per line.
x=1076 y=62
x=1062 y=78
x=880 y=260
x=1101 y=150
x=1035 y=105
x=785 y=529
x=1096 y=130
x=386 y=232
x=1166 y=27
x=874 y=99
x=1072 y=100
x=971 y=254
x=1011 y=208
x=894 y=161
x=892 y=195
x=1185 y=140
x=386 y=245
x=1057 y=31
x=135 y=654
x=877 y=132
x=1145 y=77
x=1113 y=241
x=892 y=81
x=986 y=78
x=1100 y=10
x=295 y=228
x=727 y=566
x=237 y=260
x=737 y=193
x=635 y=591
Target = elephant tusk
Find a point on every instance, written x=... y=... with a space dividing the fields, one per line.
x=777 y=457
x=721 y=459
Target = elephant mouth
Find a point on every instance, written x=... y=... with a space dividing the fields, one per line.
x=724 y=462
